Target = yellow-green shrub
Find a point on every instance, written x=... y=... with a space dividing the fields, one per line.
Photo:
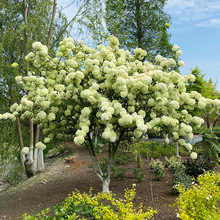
x=201 y=202
x=105 y=206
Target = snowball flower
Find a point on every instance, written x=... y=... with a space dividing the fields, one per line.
x=41 y=115
x=40 y=145
x=193 y=155
x=104 y=117
x=113 y=139
x=36 y=45
x=60 y=87
x=181 y=63
x=174 y=104
x=25 y=150
x=178 y=53
x=175 y=48
x=188 y=146
x=114 y=40
x=79 y=140
x=46 y=140
x=159 y=58
x=51 y=116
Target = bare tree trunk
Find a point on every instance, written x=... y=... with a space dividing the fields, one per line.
x=40 y=160
x=105 y=185
x=103 y=176
x=20 y=138
x=52 y=23
x=177 y=150
x=36 y=149
x=29 y=169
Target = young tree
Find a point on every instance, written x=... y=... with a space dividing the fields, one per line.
x=208 y=90
x=105 y=94
x=205 y=88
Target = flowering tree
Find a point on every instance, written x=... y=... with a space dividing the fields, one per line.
x=106 y=94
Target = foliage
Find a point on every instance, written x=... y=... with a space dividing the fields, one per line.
x=157 y=149
x=101 y=206
x=208 y=147
x=158 y=169
x=138 y=173
x=173 y=163
x=119 y=172
x=180 y=177
x=196 y=167
x=202 y=200
x=10 y=164
x=122 y=157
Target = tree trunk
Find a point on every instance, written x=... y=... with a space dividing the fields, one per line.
x=105 y=184
x=40 y=160
x=35 y=158
x=29 y=169
x=177 y=150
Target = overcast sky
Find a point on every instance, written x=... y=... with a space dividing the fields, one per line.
x=195 y=28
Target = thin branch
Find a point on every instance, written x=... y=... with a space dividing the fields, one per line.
x=67 y=6
x=25 y=16
x=67 y=25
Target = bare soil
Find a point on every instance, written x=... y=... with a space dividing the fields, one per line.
x=59 y=179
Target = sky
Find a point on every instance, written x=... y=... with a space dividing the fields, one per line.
x=195 y=28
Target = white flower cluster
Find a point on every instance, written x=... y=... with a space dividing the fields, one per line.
x=25 y=150
x=108 y=90
x=40 y=145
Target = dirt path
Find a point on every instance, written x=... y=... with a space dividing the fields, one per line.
x=60 y=179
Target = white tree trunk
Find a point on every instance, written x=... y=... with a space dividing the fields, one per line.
x=105 y=184
x=35 y=158
x=177 y=150
x=40 y=160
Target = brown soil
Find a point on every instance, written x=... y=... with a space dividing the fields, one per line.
x=60 y=179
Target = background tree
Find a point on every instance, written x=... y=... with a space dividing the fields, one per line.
x=140 y=23
x=207 y=88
